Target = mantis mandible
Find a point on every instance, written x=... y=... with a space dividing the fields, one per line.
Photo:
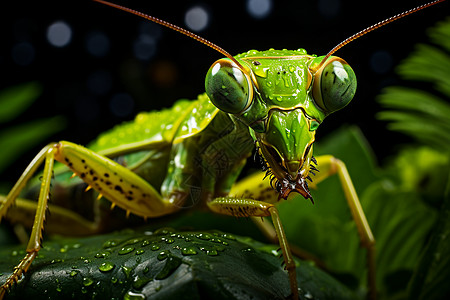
x=273 y=100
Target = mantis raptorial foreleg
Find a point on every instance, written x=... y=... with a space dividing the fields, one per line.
x=254 y=208
x=120 y=185
x=254 y=187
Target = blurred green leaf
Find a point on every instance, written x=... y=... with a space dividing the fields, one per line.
x=420 y=114
x=16 y=99
x=417 y=113
x=431 y=277
x=14 y=141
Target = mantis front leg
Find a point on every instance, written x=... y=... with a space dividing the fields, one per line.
x=254 y=208
x=255 y=187
x=120 y=185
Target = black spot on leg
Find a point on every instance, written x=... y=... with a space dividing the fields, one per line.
x=95 y=178
x=83 y=175
x=106 y=175
x=83 y=161
x=118 y=188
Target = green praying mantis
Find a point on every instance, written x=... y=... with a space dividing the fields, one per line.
x=270 y=100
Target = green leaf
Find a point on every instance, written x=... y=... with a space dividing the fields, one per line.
x=164 y=264
x=16 y=99
x=431 y=277
x=440 y=34
x=428 y=64
x=419 y=114
x=14 y=141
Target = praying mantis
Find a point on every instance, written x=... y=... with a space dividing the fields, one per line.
x=274 y=100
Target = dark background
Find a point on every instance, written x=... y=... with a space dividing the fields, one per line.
x=81 y=85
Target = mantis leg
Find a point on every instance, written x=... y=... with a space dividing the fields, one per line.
x=328 y=166
x=63 y=221
x=254 y=208
x=34 y=243
x=120 y=185
x=255 y=187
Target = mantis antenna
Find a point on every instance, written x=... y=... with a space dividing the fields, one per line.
x=173 y=27
x=373 y=27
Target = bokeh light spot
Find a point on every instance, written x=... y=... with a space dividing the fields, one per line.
x=144 y=47
x=59 y=34
x=259 y=9
x=97 y=44
x=196 y=18
x=329 y=8
x=121 y=105
x=23 y=53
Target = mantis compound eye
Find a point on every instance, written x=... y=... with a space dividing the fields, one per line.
x=334 y=85
x=229 y=87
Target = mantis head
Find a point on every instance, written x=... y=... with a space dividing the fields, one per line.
x=282 y=96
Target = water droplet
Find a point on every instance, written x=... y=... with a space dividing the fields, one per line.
x=87 y=281
x=126 y=271
x=163 y=231
x=188 y=251
x=168 y=240
x=83 y=290
x=106 y=267
x=155 y=247
x=126 y=250
x=145 y=243
x=228 y=236
x=139 y=282
x=145 y=271
x=210 y=251
x=172 y=263
x=140 y=251
x=74 y=273
x=102 y=254
x=113 y=280
x=132 y=241
x=110 y=243
x=133 y=296
x=163 y=255
x=204 y=236
x=249 y=249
